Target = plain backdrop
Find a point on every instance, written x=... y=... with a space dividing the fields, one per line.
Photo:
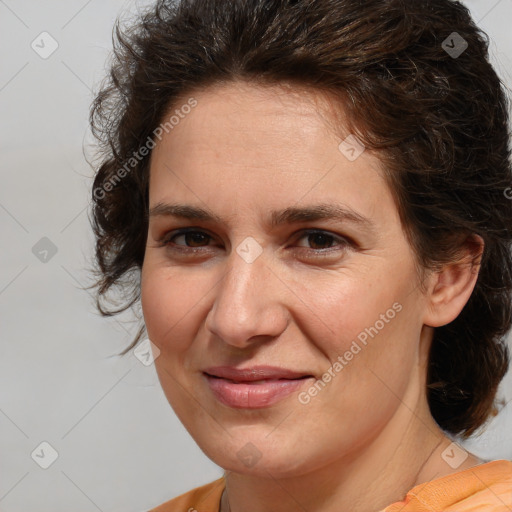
x=113 y=441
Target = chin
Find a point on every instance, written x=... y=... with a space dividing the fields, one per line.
x=257 y=456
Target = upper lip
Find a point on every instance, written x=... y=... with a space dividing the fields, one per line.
x=254 y=373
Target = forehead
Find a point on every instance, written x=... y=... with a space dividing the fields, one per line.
x=282 y=116
x=268 y=144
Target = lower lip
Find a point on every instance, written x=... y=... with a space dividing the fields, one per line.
x=253 y=396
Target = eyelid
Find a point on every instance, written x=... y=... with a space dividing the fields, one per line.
x=343 y=241
x=313 y=231
x=168 y=236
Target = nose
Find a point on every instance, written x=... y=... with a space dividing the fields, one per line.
x=249 y=304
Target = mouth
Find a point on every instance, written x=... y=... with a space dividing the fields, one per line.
x=253 y=388
x=260 y=381
x=255 y=373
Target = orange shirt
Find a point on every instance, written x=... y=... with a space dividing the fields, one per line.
x=483 y=488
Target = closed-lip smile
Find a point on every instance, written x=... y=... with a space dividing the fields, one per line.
x=253 y=387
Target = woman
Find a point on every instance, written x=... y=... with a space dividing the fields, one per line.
x=310 y=199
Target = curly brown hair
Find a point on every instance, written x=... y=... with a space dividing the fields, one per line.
x=416 y=83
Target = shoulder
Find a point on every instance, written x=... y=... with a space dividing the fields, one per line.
x=486 y=488
x=494 y=487
x=205 y=498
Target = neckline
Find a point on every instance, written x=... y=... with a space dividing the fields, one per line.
x=496 y=466
x=444 y=491
x=457 y=474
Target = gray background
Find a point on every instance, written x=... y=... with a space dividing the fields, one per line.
x=120 y=446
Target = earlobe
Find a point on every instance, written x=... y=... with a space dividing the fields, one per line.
x=450 y=288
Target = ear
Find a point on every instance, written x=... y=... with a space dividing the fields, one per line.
x=449 y=289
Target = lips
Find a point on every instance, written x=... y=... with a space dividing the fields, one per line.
x=255 y=387
x=255 y=373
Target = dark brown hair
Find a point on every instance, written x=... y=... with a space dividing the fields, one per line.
x=434 y=108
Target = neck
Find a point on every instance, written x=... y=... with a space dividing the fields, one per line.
x=406 y=453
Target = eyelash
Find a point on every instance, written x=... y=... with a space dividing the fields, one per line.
x=167 y=240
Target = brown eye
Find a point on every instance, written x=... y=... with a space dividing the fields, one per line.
x=192 y=238
x=322 y=240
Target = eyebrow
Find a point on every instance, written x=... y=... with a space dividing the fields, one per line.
x=277 y=217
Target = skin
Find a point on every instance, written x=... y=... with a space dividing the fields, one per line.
x=368 y=436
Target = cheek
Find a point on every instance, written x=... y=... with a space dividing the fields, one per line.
x=350 y=310
x=167 y=300
x=369 y=330
x=371 y=359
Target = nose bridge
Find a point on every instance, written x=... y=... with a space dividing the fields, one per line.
x=246 y=302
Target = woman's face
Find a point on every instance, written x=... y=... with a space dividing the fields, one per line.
x=264 y=281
